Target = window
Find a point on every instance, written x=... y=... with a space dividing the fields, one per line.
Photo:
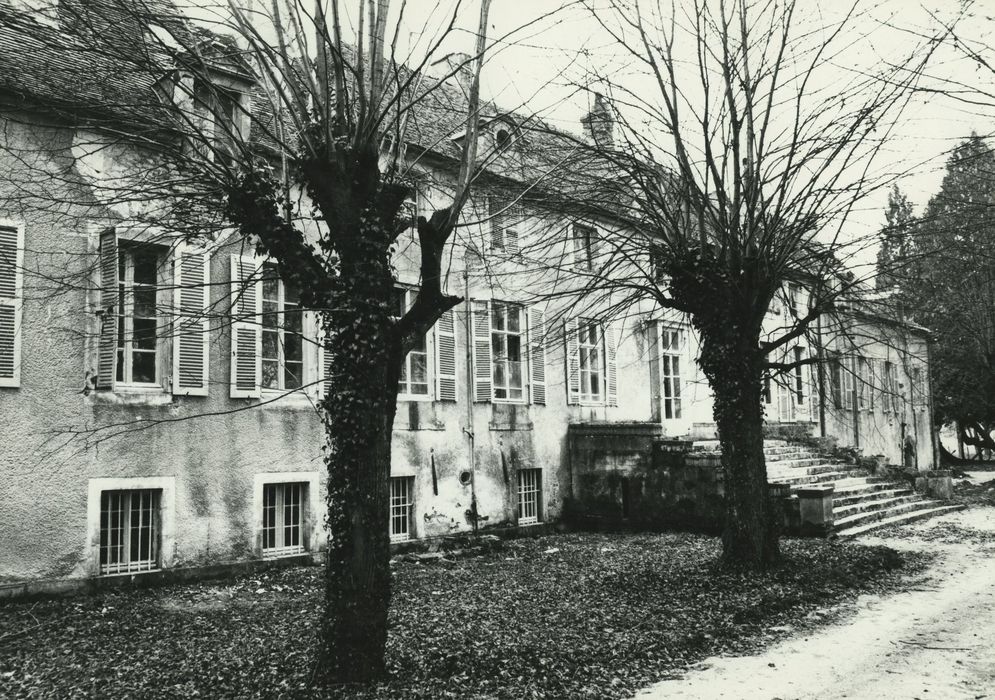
x=792 y=294
x=529 y=496
x=507 y=325
x=920 y=394
x=505 y=220
x=137 y=323
x=414 y=380
x=282 y=334
x=799 y=372
x=401 y=508
x=283 y=517
x=585 y=241
x=218 y=107
x=865 y=399
x=129 y=531
x=592 y=361
x=892 y=399
x=670 y=372
x=841 y=381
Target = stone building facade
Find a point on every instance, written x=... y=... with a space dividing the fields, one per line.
x=159 y=397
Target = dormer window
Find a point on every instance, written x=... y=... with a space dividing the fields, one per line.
x=220 y=113
x=502 y=138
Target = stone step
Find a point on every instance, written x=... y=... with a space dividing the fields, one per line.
x=867 y=505
x=930 y=509
x=865 y=517
x=834 y=477
x=795 y=462
x=873 y=492
x=820 y=467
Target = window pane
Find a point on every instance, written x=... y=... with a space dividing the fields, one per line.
x=144 y=300
x=500 y=376
x=419 y=367
x=143 y=367
x=516 y=374
x=271 y=373
x=271 y=344
x=514 y=348
x=497 y=317
x=293 y=375
x=514 y=319
x=271 y=285
x=145 y=267
x=293 y=347
x=293 y=321
x=144 y=333
x=271 y=319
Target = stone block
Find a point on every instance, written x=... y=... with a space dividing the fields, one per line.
x=937 y=483
x=815 y=509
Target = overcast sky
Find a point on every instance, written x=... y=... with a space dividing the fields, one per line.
x=541 y=50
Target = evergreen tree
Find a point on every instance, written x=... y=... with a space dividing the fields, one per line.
x=895 y=239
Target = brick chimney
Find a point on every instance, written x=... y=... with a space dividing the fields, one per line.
x=599 y=124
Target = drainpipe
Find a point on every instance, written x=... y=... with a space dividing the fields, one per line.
x=821 y=372
x=468 y=429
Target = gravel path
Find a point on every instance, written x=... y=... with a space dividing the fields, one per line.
x=936 y=640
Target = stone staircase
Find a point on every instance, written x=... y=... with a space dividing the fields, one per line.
x=861 y=501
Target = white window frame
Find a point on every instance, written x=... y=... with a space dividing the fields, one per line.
x=281 y=308
x=591 y=398
x=671 y=401
x=529 y=496
x=402 y=508
x=311 y=530
x=283 y=491
x=403 y=392
x=522 y=351
x=125 y=365
x=164 y=485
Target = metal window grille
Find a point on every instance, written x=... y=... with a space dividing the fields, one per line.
x=283 y=515
x=129 y=531
x=401 y=507
x=670 y=363
x=529 y=491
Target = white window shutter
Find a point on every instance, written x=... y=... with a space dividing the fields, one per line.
x=445 y=357
x=11 y=293
x=191 y=326
x=512 y=224
x=324 y=363
x=107 y=337
x=497 y=217
x=570 y=335
x=537 y=354
x=611 y=351
x=246 y=328
x=481 y=351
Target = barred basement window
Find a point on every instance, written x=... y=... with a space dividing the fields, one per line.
x=129 y=531
x=529 y=493
x=283 y=517
x=401 y=507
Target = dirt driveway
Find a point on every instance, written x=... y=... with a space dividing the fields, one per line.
x=934 y=641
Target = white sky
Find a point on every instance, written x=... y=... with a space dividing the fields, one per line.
x=537 y=58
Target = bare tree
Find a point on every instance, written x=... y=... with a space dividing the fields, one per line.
x=737 y=167
x=291 y=123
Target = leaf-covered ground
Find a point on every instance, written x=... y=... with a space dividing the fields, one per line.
x=575 y=615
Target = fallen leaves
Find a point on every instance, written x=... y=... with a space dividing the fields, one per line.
x=579 y=615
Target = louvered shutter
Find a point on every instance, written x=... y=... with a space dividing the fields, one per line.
x=191 y=326
x=785 y=399
x=652 y=330
x=537 y=355
x=573 y=360
x=611 y=350
x=107 y=337
x=246 y=329
x=445 y=357
x=324 y=364
x=497 y=217
x=481 y=351
x=512 y=222
x=11 y=280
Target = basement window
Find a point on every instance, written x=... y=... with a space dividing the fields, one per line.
x=129 y=531
x=401 y=508
x=529 y=496
x=283 y=519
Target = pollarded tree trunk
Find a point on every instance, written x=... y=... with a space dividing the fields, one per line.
x=750 y=538
x=364 y=360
